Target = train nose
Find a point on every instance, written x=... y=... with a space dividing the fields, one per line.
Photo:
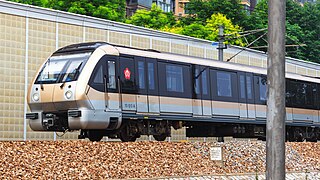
x=52 y=97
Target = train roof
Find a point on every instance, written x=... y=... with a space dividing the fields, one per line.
x=207 y=62
x=80 y=47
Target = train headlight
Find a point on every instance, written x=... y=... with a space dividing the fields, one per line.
x=35 y=97
x=68 y=94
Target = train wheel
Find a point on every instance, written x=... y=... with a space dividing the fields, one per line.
x=160 y=137
x=94 y=136
x=125 y=137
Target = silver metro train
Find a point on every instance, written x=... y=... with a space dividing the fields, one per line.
x=122 y=92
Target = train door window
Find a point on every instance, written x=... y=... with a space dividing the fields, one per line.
x=260 y=89
x=263 y=88
x=205 y=83
x=141 y=75
x=111 y=75
x=224 y=88
x=204 y=78
x=201 y=81
x=249 y=87
x=242 y=86
x=151 y=76
x=196 y=86
x=315 y=96
x=245 y=87
x=127 y=75
x=309 y=95
x=174 y=78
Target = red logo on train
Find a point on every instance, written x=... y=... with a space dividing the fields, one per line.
x=127 y=74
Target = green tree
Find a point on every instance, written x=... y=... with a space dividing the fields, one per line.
x=41 y=3
x=200 y=11
x=155 y=18
x=309 y=21
x=302 y=27
x=107 y=9
x=232 y=31
x=210 y=30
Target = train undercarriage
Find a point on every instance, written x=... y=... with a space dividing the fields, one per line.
x=130 y=130
x=133 y=128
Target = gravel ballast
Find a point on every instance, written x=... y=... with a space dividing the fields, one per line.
x=116 y=160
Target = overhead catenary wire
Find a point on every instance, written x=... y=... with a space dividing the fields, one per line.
x=246 y=47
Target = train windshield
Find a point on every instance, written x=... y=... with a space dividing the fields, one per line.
x=62 y=68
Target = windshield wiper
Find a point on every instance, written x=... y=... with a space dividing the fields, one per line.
x=77 y=71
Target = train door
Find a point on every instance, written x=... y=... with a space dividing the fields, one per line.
x=142 y=96
x=246 y=100
x=196 y=93
x=201 y=101
x=304 y=105
x=128 y=88
x=152 y=86
x=225 y=93
x=260 y=89
x=113 y=95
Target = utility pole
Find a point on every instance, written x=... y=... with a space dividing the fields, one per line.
x=221 y=45
x=276 y=113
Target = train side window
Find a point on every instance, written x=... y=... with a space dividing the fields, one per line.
x=151 y=78
x=174 y=78
x=224 y=87
x=111 y=75
x=98 y=76
x=141 y=75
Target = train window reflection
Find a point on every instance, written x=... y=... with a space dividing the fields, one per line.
x=224 y=84
x=197 y=81
x=249 y=87
x=204 y=82
x=98 y=77
x=151 y=76
x=242 y=87
x=141 y=74
x=51 y=71
x=174 y=78
x=263 y=88
x=63 y=68
x=112 y=75
x=72 y=71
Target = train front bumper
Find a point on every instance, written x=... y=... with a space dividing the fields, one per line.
x=74 y=120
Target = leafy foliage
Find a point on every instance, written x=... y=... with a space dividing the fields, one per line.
x=107 y=9
x=200 y=11
x=155 y=18
x=210 y=30
x=41 y=3
x=302 y=28
x=233 y=30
